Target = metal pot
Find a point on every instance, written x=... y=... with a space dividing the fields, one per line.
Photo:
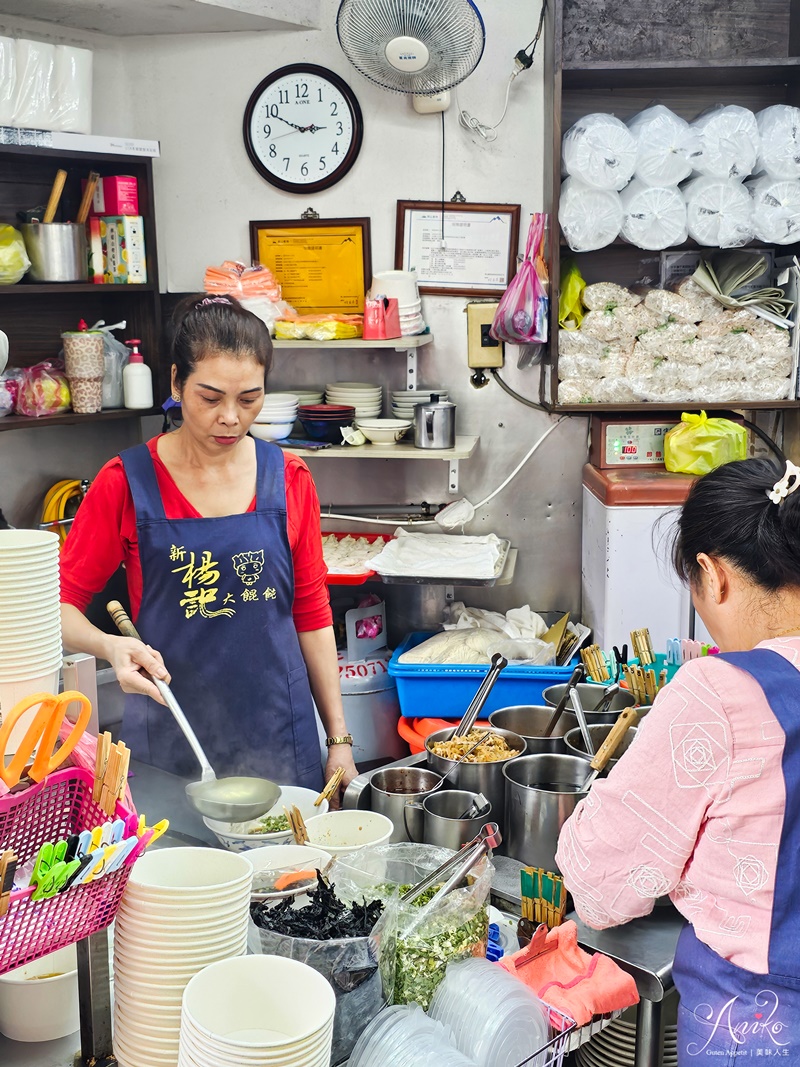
x=534 y=815
x=397 y=792
x=529 y=721
x=435 y=424
x=57 y=250
x=575 y=746
x=486 y=778
x=590 y=697
x=441 y=818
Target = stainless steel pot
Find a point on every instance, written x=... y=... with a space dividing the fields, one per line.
x=529 y=721
x=542 y=792
x=397 y=793
x=435 y=424
x=575 y=744
x=442 y=822
x=590 y=696
x=486 y=778
x=57 y=250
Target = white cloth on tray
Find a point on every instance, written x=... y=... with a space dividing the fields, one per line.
x=411 y=555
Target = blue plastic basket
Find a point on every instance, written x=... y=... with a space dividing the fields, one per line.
x=444 y=690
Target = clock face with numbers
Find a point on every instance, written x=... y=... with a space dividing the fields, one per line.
x=303 y=128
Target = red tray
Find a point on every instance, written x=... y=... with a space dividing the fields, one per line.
x=359 y=577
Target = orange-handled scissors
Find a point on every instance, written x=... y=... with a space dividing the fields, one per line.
x=41 y=735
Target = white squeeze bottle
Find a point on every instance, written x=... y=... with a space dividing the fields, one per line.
x=137 y=379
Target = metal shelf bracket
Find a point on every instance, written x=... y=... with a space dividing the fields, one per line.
x=411 y=368
x=452 y=476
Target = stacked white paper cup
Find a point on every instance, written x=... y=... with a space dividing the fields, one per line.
x=183 y=908
x=30 y=620
x=257 y=1011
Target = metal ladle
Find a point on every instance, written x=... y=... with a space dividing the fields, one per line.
x=235 y=799
x=581 y=717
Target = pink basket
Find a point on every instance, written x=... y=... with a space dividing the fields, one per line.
x=49 y=811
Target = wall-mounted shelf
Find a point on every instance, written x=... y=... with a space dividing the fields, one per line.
x=69 y=418
x=409 y=345
x=34 y=289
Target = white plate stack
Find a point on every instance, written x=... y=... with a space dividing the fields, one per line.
x=257 y=1011
x=404 y=400
x=30 y=620
x=308 y=396
x=402 y=286
x=365 y=397
x=277 y=417
x=183 y=908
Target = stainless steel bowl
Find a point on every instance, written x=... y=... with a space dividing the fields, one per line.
x=530 y=721
x=575 y=746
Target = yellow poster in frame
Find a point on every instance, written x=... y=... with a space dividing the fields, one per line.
x=323 y=265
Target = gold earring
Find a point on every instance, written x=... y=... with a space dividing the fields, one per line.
x=176 y=398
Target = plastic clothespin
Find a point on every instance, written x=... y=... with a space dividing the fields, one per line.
x=131 y=826
x=674 y=654
x=122 y=853
x=117 y=831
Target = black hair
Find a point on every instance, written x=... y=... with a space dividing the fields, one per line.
x=728 y=514
x=204 y=324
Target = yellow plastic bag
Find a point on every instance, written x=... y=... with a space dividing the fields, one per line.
x=698 y=444
x=570 y=308
x=14 y=260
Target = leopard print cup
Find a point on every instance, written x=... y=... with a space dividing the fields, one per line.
x=83 y=355
x=87 y=395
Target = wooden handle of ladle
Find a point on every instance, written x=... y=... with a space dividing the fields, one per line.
x=86 y=200
x=615 y=735
x=121 y=620
x=55 y=196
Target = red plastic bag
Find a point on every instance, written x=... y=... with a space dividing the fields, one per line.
x=521 y=316
x=43 y=390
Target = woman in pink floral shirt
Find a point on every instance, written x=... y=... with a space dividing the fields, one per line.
x=705 y=806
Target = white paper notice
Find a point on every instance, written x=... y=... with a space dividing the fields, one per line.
x=472 y=254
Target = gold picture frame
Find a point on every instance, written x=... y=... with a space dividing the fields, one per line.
x=324 y=266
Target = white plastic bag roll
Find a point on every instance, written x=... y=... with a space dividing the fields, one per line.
x=7 y=79
x=665 y=144
x=71 y=96
x=776 y=209
x=600 y=150
x=719 y=212
x=779 y=129
x=33 y=84
x=654 y=216
x=729 y=142
x=590 y=218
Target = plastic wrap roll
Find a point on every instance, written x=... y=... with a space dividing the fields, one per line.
x=729 y=142
x=590 y=218
x=7 y=79
x=71 y=98
x=654 y=216
x=33 y=84
x=719 y=212
x=665 y=145
x=600 y=151
x=776 y=209
x=779 y=129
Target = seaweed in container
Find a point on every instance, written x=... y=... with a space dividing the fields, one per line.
x=325 y=918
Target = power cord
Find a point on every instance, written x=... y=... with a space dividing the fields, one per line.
x=512 y=392
x=523 y=60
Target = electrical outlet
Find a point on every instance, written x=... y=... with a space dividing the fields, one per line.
x=482 y=349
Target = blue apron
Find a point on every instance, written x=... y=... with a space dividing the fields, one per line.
x=728 y=1014
x=217 y=603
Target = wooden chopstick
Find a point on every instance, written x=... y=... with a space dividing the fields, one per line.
x=331 y=786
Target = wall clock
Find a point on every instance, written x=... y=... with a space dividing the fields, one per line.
x=303 y=128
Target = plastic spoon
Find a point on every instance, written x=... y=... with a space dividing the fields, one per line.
x=574 y=678
x=579 y=714
x=227 y=799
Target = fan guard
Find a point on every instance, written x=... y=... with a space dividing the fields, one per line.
x=412 y=46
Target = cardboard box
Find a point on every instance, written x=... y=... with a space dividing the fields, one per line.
x=118 y=195
x=116 y=245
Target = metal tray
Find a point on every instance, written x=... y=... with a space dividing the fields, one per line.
x=430 y=579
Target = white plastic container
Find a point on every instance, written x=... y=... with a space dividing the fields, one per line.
x=137 y=380
x=38 y=1008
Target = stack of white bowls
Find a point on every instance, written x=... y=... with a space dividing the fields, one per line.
x=365 y=397
x=402 y=285
x=276 y=418
x=257 y=1011
x=30 y=620
x=404 y=400
x=308 y=396
x=183 y=909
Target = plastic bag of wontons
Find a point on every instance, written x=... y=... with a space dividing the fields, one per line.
x=698 y=444
x=43 y=390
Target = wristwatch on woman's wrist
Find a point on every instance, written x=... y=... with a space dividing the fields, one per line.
x=345 y=739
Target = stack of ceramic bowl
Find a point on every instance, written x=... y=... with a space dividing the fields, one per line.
x=258 y=1011
x=384 y=431
x=276 y=418
x=496 y=1020
x=404 y=1037
x=405 y=400
x=325 y=422
x=30 y=620
x=308 y=396
x=183 y=909
x=365 y=397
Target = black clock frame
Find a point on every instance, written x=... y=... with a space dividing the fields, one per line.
x=355 y=114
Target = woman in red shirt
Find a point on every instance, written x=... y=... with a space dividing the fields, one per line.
x=220 y=537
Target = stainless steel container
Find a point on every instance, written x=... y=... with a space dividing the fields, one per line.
x=575 y=746
x=441 y=817
x=542 y=792
x=435 y=424
x=57 y=250
x=397 y=793
x=529 y=721
x=590 y=697
x=486 y=778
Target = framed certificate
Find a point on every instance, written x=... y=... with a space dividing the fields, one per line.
x=462 y=249
x=324 y=266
